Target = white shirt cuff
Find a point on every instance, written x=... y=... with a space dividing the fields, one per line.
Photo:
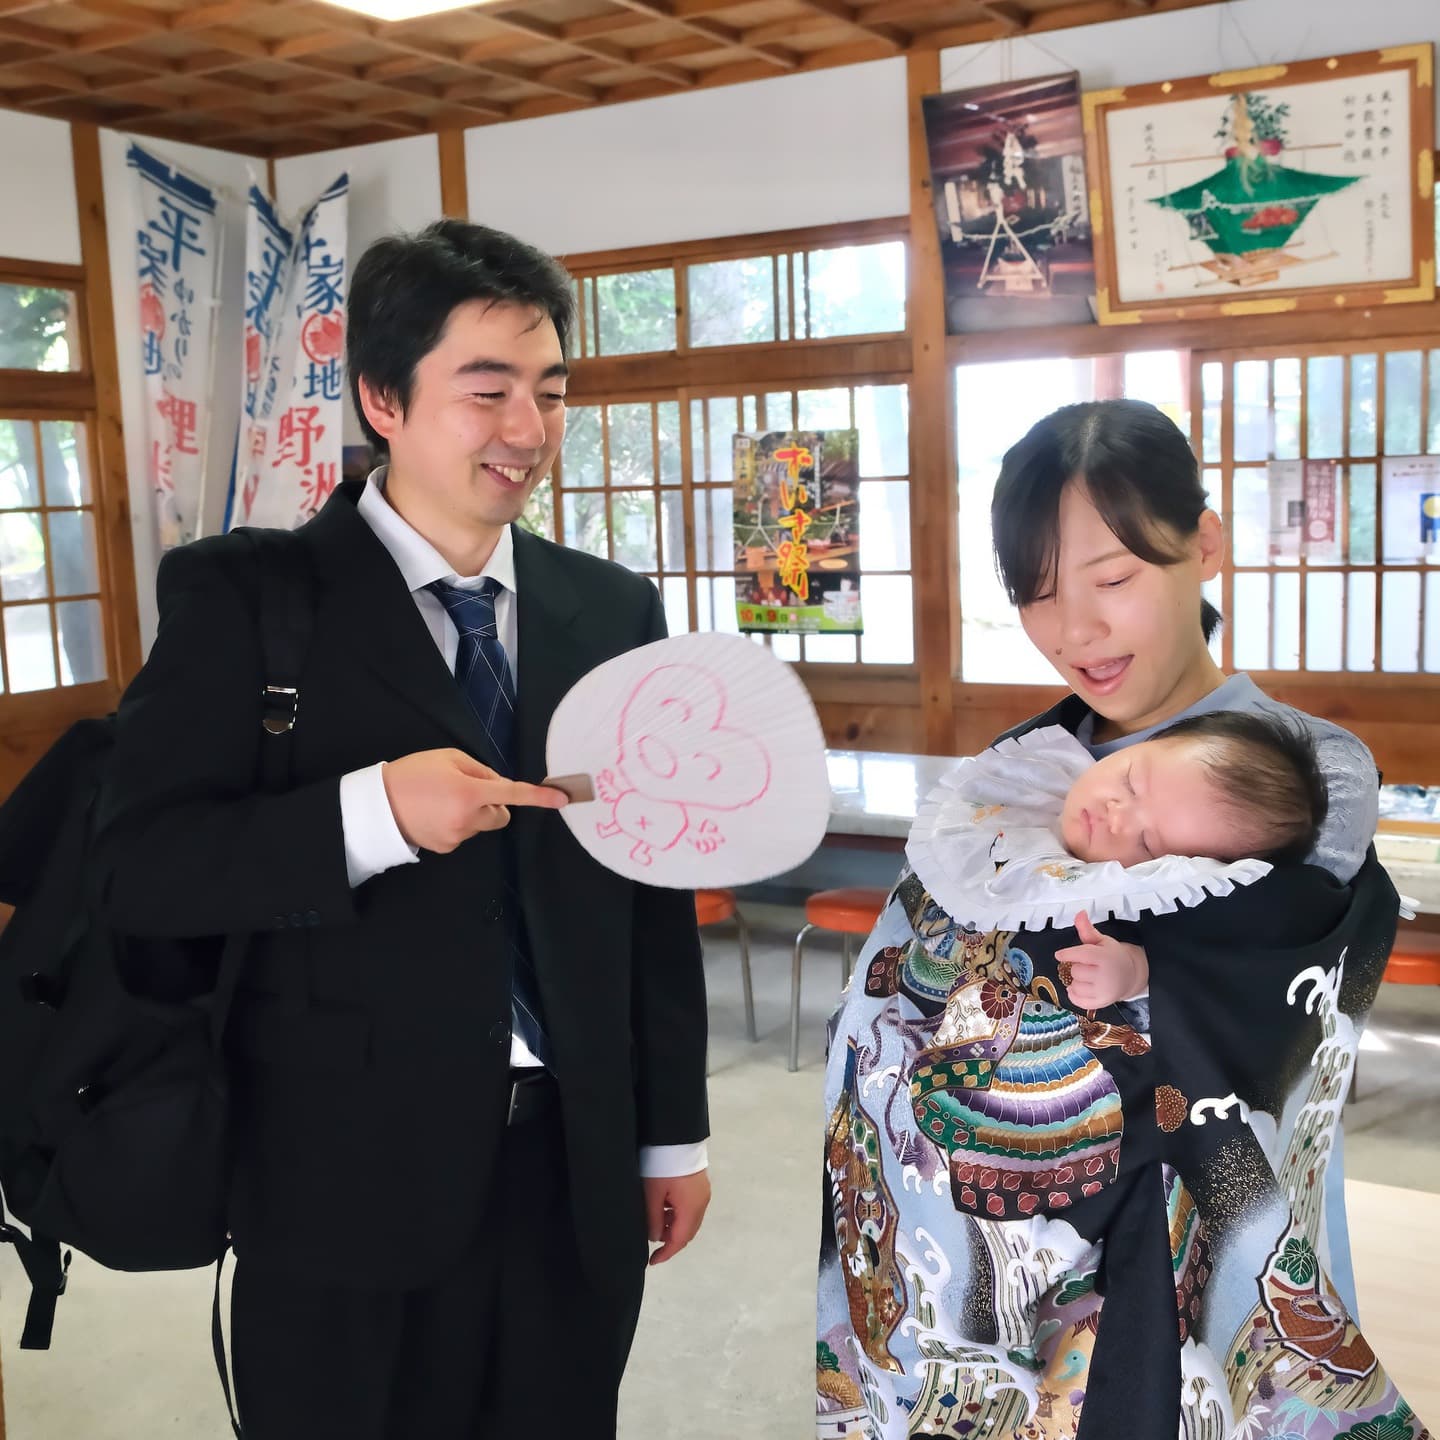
x=667 y=1162
x=373 y=842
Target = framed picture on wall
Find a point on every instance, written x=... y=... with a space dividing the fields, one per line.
x=1286 y=187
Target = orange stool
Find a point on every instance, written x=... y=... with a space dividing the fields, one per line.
x=714 y=907
x=850 y=912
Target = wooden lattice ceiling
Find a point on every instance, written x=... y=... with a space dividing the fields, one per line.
x=282 y=77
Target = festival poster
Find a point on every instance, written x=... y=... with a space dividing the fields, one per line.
x=289 y=450
x=797 y=532
x=177 y=269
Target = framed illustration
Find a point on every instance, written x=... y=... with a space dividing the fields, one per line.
x=1289 y=187
x=1007 y=172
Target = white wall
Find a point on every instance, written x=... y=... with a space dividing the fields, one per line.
x=39 y=220
x=230 y=176
x=810 y=149
x=394 y=185
x=1200 y=41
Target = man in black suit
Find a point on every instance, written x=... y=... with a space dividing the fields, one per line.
x=468 y=1063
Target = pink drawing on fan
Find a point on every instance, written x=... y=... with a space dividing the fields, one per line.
x=677 y=760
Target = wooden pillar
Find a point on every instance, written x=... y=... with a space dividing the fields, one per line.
x=933 y=500
x=454 y=189
x=112 y=493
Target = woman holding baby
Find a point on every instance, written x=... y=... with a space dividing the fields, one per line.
x=1079 y=1114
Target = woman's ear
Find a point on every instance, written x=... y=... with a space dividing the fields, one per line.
x=1210 y=536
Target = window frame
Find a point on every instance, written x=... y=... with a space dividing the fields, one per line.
x=80 y=396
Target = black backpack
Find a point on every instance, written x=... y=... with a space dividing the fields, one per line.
x=113 y=1134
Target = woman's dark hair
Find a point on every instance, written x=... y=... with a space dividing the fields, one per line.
x=1137 y=469
x=1268 y=774
x=404 y=288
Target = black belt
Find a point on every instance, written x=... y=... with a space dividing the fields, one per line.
x=533 y=1093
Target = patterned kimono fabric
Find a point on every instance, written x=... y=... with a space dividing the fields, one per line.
x=1058 y=1226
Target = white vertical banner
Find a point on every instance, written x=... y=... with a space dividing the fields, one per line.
x=288 y=452
x=177 y=271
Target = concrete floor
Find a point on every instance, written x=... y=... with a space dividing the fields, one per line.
x=725 y=1348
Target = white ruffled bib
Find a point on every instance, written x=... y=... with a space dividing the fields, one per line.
x=986 y=845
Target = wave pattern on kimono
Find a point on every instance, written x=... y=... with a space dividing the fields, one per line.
x=1051 y=1226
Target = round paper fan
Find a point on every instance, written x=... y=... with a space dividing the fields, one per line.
x=705 y=759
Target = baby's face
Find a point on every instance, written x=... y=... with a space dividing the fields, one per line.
x=1151 y=799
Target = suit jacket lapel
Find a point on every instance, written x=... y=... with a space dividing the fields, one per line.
x=551 y=659
x=364 y=603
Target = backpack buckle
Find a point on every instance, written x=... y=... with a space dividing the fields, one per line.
x=282 y=706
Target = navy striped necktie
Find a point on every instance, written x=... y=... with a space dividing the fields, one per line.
x=481 y=665
x=482 y=670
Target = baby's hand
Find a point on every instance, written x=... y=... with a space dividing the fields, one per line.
x=1100 y=970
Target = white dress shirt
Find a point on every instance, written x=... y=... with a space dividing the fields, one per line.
x=373 y=842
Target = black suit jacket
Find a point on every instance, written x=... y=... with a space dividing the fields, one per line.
x=370 y=1037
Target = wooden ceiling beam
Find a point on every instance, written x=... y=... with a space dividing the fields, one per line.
x=721 y=35
x=24 y=7
x=313 y=44
x=594 y=45
x=1006 y=12
x=139 y=15
x=896 y=39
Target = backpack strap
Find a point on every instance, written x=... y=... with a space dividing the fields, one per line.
x=47 y=1270
x=287 y=623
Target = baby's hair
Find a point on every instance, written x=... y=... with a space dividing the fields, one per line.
x=1268 y=774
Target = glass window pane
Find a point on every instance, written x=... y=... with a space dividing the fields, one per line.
x=1361 y=501
x=783 y=264
x=585 y=527
x=1360 y=622
x=632 y=444
x=1402 y=402
x=1287 y=409
x=884 y=525
x=697 y=442
x=1400 y=624
x=1214 y=592
x=857 y=290
x=749 y=413
x=1212 y=388
x=39 y=329
x=1251 y=622
x=1363 y=400
x=19 y=469
x=717 y=610
x=1432 y=622
x=29 y=648
x=1433 y=446
x=1324 y=600
x=582 y=461
x=995 y=404
x=824 y=409
x=732 y=302
x=715 y=528
x=882 y=416
x=637 y=312
x=22 y=556
x=785 y=647
x=82 y=642
x=1252 y=410
x=830 y=649
x=672 y=510
x=539 y=516
x=632 y=522
x=73 y=561
x=677 y=606
x=670 y=466
x=780 y=411
x=724 y=422
x=67 y=463
x=1250 y=521
x=1325 y=407
x=1286 y=604
x=888 y=609
x=1158 y=376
